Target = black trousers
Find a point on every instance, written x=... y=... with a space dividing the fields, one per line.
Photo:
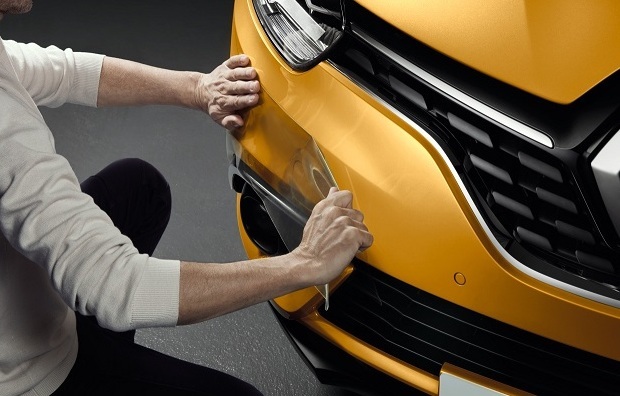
x=137 y=198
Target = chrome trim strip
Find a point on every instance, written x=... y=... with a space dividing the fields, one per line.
x=513 y=125
x=511 y=260
x=606 y=168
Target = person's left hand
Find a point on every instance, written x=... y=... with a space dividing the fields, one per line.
x=334 y=233
x=228 y=91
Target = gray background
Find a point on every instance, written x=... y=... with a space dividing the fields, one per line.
x=187 y=147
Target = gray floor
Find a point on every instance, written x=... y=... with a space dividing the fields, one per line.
x=188 y=149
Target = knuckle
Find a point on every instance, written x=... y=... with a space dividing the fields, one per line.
x=218 y=85
x=318 y=208
x=333 y=212
x=346 y=195
x=248 y=86
x=252 y=100
x=246 y=72
x=229 y=87
x=229 y=75
x=322 y=206
x=341 y=221
x=350 y=233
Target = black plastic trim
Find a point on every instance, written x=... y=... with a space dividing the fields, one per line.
x=427 y=331
x=333 y=366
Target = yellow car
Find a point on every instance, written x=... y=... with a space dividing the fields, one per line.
x=481 y=140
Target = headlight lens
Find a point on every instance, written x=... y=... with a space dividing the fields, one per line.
x=300 y=40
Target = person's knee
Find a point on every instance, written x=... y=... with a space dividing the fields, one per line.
x=149 y=188
x=147 y=177
x=155 y=180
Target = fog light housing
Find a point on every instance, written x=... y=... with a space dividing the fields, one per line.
x=258 y=224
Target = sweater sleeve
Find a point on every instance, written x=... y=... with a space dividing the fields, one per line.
x=53 y=76
x=46 y=217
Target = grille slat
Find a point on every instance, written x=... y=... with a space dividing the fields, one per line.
x=412 y=95
x=556 y=200
x=594 y=261
x=533 y=238
x=426 y=331
x=491 y=169
x=574 y=232
x=541 y=167
x=513 y=205
x=470 y=130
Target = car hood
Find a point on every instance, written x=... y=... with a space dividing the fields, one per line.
x=554 y=49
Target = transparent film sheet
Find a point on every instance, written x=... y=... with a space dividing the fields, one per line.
x=306 y=181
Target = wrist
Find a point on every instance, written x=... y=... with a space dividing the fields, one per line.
x=303 y=267
x=192 y=96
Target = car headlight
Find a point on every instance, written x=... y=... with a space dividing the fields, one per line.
x=301 y=38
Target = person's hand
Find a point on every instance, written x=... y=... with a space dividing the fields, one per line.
x=228 y=91
x=332 y=236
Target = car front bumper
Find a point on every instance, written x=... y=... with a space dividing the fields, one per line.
x=429 y=235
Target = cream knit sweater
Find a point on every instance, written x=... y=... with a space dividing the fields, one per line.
x=58 y=251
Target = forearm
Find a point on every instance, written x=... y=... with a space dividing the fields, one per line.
x=210 y=290
x=333 y=234
x=127 y=83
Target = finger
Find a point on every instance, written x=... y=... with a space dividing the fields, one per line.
x=242 y=73
x=241 y=87
x=341 y=198
x=334 y=198
x=232 y=121
x=350 y=204
x=343 y=219
x=350 y=222
x=234 y=103
x=237 y=61
x=358 y=239
x=366 y=240
x=341 y=216
x=353 y=214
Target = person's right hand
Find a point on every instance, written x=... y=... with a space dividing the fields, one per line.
x=332 y=236
x=229 y=91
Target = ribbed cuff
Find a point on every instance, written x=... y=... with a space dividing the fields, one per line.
x=156 y=301
x=87 y=74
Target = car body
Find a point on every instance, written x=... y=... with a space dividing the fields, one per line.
x=480 y=140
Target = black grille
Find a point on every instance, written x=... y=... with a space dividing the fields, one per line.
x=535 y=200
x=426 y=331
x=527 y=193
